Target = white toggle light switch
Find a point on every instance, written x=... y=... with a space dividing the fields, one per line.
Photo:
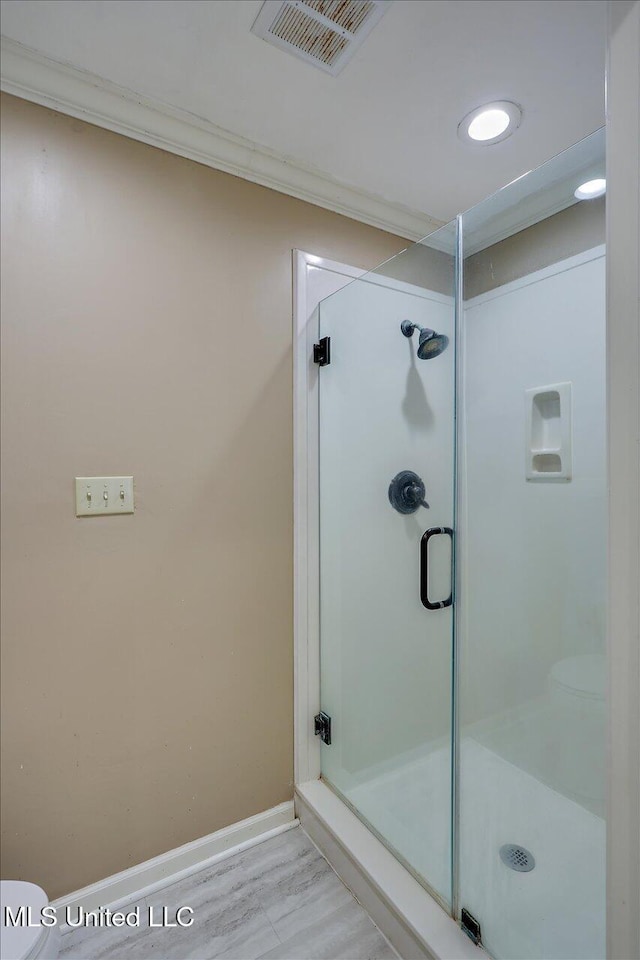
x=100 y=496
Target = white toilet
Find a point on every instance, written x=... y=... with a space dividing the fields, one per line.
x=577 y=686
x=24 y=942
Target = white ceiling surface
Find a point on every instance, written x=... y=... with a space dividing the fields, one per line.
x=388 y=123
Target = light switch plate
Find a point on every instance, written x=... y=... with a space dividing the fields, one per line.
x=102 y=496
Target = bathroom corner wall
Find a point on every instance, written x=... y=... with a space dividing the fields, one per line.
x=146 y=659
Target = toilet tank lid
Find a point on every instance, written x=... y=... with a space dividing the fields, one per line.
x=20 y=941
x=584 y=675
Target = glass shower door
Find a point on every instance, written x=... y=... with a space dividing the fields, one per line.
x=387 y=409
x=500 y=811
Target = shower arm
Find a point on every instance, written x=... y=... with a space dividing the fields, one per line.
x=408 y=328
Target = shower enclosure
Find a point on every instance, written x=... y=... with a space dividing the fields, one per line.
x=462 y=545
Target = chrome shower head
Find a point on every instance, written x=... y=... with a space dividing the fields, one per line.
x=430 y=343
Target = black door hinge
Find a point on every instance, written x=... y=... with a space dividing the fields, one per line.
x=471 y=926
x=322 y=352
x=322 y=727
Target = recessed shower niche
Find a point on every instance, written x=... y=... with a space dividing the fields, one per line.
x=548 y=444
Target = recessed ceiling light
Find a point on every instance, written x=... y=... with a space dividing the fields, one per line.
x=490 y=123
x=591 y=189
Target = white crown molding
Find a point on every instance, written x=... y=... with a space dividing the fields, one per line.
x=29 y=74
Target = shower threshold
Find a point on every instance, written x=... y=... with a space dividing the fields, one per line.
x=414 y=923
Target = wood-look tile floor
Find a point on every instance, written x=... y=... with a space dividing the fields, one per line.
x=279 y=900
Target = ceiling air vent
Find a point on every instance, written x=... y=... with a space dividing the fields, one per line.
x=325 y=33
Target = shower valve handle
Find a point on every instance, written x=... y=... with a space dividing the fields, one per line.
x=415 y=494
x=406 y=492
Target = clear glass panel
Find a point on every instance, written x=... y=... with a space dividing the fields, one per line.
x=386 y=660
x=524 y=851
x=532 y=565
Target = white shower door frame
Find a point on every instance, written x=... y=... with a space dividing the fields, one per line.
x=413 y=921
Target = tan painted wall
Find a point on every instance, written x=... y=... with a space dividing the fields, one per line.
x=147 y=660
x=578 y=228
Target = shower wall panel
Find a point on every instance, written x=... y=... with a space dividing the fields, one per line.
x=534 y=554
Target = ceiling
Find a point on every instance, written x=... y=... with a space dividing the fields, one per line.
x=387 y=125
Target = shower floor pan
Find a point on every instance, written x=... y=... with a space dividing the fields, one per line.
x=553 y=911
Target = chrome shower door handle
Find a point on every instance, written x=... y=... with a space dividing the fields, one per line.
x=424 y=569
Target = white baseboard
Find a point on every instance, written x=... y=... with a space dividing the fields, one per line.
x=411 y=920
x=145 y=878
